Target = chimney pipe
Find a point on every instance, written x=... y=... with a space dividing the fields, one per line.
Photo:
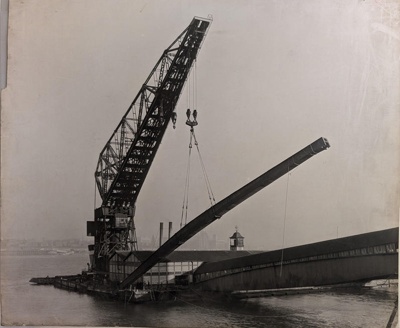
x=169 y=229
x=161 y=232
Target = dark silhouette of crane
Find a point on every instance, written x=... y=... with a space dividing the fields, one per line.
x=127 y=156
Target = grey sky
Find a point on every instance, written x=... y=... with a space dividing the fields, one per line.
x=272 y=77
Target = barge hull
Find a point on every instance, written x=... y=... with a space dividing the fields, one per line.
x=315 y=273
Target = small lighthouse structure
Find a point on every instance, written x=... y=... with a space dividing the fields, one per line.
x=236 y=241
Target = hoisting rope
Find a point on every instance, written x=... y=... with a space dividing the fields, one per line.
x=188 y=92
x=187 y=179
x=195 y=84
x=284 y=221
x=192 y=123
x=191 y=87
x=210 y=193
x=186 y=191
x=206 y=179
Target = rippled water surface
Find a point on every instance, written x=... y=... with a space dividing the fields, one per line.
x=26 y=304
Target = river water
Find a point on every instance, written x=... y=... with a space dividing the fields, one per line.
x=31 y=305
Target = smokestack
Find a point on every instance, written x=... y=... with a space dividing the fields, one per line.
x=161 y=232
x=169 y=229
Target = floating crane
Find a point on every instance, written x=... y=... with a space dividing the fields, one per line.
x=122 y=169
x=126 y=159
x=127 y=156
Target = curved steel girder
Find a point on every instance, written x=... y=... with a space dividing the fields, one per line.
x=225 y=205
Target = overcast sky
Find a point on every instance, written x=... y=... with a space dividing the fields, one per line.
x=272 y=77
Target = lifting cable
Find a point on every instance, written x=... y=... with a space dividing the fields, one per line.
x=192 y=122
x=206 y=179
x=284 y=221
x=205 y=175
x=187 y=179
x=186 y=191
x=195 y=84
x=210 y=193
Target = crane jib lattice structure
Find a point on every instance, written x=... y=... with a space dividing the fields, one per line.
x=126 y=158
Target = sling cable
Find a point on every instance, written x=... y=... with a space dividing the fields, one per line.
x=192 y=122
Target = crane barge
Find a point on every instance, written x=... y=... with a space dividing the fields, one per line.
x=127 y=157
x=121 y=170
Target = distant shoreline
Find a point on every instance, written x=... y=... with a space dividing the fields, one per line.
x=23 y=252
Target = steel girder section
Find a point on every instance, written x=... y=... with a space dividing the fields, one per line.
x=126 y=158
x=225 y=205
